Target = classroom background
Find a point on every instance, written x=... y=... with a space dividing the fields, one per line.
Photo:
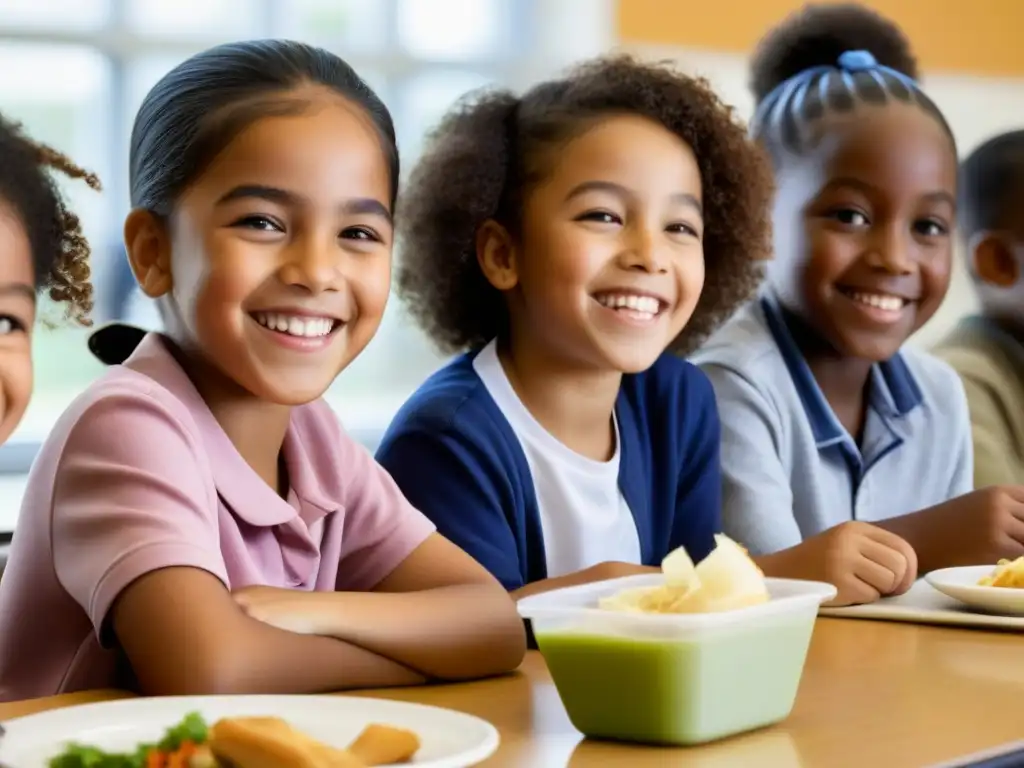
x=74 y=72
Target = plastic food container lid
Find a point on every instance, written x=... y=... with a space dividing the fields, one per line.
x=576 y=609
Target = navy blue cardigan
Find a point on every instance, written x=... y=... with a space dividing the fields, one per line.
x=455 y=457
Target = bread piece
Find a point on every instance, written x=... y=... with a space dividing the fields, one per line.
x=384 y=744
x=270 y=742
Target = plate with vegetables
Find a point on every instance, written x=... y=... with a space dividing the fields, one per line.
x=247 y=732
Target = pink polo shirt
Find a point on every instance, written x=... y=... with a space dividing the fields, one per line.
x=137 y=475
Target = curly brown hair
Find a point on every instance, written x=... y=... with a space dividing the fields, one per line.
x=493 y=146
x=60 y=252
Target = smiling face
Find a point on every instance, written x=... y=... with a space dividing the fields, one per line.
x=609 y=263
x=278 y=257
x=863 y=225
x=17 y=316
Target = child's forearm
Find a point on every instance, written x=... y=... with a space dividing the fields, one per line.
x=450 y=633
x=256 y=658
x=183 y=634
x=294 y=663
x=915 y=529
x=600 y=572
x=784 y=564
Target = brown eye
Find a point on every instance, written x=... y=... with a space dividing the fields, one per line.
x=261 y=223
x=851 y=217
x=10 y=324
x=930 y=228
x=682 y=228
x=360 y=233
x=599 y=217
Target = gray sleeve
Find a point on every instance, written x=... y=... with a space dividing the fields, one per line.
x=757 y=500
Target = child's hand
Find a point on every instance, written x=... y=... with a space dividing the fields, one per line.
x=292 y=610
x=978 y=528
x=863 y=561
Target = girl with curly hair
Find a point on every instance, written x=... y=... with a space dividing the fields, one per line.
x=569 y=243
x=846 y=455
x=44 y=250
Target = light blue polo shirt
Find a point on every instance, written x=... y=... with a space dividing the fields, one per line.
x=791 y=470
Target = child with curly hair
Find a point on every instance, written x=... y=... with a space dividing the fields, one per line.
x=44 y=249
x=570 y=242
x=846 y=455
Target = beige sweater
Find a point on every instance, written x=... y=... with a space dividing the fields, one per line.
x=991 y=364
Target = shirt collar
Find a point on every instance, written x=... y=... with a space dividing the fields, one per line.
x=894 y=390
x=238 y=484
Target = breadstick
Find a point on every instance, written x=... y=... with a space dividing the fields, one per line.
x=384 y=744
x=270 y=742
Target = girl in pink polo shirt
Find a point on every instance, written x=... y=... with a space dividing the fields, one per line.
x=198 y=521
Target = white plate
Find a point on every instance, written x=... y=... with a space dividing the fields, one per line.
x=962 y=584
x=924 y=604
x=448 y=739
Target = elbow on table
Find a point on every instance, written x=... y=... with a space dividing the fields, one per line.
x=486 y=659
x=516 y=642
x=508 y=655
x=499 y=646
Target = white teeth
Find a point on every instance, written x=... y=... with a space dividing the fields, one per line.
x=878 y=300
x=294 y=325
x=645 y=306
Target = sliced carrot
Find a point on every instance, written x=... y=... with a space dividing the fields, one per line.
x=180 y=757
x=156 y=759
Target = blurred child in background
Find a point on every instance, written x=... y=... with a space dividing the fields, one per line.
x=987 y=350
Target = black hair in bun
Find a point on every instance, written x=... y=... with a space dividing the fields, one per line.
x=817 y=35
x=847 y=54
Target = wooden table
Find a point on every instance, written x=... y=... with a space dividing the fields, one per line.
x=874 y=695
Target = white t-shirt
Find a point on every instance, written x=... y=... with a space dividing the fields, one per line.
x=583 y=514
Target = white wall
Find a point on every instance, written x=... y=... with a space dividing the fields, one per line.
x=976 y=108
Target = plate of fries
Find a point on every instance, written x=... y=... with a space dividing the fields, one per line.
x=997 y=589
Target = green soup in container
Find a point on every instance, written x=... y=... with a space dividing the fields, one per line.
x=674 y=679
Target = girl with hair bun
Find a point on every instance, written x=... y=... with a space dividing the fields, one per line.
x=847 y=455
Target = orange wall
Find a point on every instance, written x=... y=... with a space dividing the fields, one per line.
x=983 y=37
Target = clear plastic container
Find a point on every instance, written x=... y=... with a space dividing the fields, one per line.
x=674 y=679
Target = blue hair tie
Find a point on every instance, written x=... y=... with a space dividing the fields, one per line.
x=857 y=61
x=795 y=89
